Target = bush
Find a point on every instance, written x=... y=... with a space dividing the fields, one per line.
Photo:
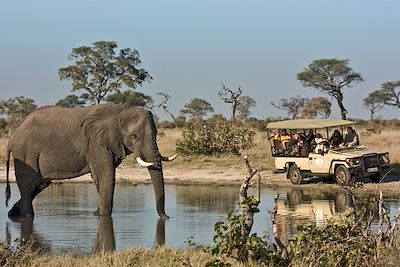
x=214 y=136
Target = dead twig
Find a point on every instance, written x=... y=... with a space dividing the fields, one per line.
x=275 y=229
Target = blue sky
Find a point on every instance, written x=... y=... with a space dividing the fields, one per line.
x=191 y=47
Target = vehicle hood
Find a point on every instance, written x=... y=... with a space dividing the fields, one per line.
x=353 y=151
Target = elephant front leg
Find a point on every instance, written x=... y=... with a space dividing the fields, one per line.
x=104 y=178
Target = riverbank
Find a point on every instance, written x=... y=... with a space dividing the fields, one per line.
x=232 y=176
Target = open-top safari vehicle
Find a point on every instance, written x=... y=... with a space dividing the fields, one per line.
x=344 y=164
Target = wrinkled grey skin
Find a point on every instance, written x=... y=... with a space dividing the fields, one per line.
x=55 y=143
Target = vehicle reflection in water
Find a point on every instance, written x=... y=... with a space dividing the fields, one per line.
x=301 y=207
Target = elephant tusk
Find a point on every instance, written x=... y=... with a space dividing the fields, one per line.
x=169 y=158
x=143 y=163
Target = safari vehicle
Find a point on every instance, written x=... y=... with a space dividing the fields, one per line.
x=344 y=164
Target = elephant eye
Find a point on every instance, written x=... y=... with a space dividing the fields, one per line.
x=134 y=136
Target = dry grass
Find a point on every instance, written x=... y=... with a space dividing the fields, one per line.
x=132 y=257
x=385 y=141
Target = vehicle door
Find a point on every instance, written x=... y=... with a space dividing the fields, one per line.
x=319 y=163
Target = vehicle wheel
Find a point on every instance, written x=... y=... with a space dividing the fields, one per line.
x=343 y=200
x=294 y=174
x=295 y=197
x=343 y=176
x=376 y=177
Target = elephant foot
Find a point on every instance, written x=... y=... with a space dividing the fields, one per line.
x=164 y=217
x=17 y=213
x=97 y=213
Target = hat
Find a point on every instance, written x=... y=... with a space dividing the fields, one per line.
x=319 y=140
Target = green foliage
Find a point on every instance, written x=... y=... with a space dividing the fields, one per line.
x=329 y=76
x=231 y=241
x=293 y=105
x=317 y=106
x=131 y=98
x=197 y=108
x=15 y=110
x=346 y=242
x=388 y=95
x=244 y=105
x=214 y=136
x=72 y=101
x=337 y=244
x=100 y=69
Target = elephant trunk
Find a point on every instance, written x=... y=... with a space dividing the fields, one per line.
x=157 y=177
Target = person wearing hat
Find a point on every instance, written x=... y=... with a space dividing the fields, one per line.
x=322 y=145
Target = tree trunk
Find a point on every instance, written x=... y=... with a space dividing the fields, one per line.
x=343 y=111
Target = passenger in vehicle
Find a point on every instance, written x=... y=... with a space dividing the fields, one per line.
x=313 y=142
x=301 y=146
x=284 y=137
x=322 y=146
x=310 y=136
x=351 y=138
x=336 y=138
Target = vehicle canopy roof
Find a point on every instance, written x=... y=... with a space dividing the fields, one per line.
x=309 y=124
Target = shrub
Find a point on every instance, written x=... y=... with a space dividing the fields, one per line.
x=214 y=136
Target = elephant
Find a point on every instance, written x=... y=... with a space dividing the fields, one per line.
x=56 y=143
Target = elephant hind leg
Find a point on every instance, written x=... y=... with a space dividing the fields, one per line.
x=23 y=207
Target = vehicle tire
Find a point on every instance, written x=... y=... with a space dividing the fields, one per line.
x=294 y=174
x=343 y=176
x=295 y=197
x=376 y=177
x=343 y=200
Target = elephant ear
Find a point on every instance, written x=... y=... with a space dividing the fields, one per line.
x=101 y=128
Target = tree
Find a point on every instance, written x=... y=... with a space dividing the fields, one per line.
x=244 y=106
x=292 y=105
x=374 y=102
x=131 y=98
x=197 y=108
x=389 y=95
x=72 y=101
x=16 y=109
x=317 y=106
x=330 y=76
x=100 y=70
x=164 y=106
x=231 y=97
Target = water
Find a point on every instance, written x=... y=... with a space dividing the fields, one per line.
x=64 y=222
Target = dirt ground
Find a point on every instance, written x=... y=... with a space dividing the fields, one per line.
x=234 y=176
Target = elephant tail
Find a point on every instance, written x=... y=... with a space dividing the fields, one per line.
x=8 y=190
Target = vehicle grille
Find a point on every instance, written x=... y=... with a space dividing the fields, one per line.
x=371 y=161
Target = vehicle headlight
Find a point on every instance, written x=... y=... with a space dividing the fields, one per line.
x=354 y=161
x=384 y=158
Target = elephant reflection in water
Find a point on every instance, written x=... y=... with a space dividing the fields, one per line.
x=28 y=236
x=106 y=238
x=105 y=235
